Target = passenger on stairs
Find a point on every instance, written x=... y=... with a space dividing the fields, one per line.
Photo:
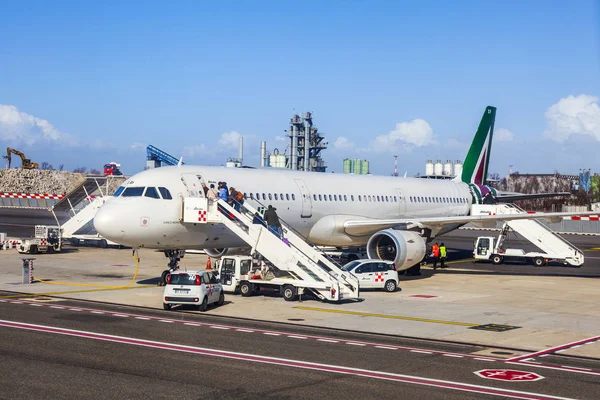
x=212 y=194
x=233 y=199
x=273 y=221
x=223 y=195
x=258 y=219
x=205 y=189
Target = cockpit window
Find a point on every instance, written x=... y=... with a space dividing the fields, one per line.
x=151 y=192
x=164 y=192
x=119 y=191
x=133 y=191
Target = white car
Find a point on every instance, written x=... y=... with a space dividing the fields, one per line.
x=199 y=288
x=374 y=274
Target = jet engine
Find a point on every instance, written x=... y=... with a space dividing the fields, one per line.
x=405 y=248
x=218 y=253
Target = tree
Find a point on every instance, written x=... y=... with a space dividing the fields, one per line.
x=94 y=171
x=80 y=170
x=46 y=166
x=61 y=166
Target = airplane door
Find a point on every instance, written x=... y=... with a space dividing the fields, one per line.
x=306 y=200
x=401 y=202
x=193 y=185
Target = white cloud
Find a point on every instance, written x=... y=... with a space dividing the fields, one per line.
x=503 y=135
x=20 y=127
x=416 y=133
x=573 y=115
x=280 y=139
x=191 y=151
x=230 y=140
x=342 y=143
x=136 y=145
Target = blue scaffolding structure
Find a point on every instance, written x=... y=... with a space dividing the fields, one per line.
x=160 y=157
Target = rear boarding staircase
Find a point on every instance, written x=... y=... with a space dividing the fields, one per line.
x=555 y=246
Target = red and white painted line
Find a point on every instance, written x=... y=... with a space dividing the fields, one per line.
x=337 y=369
x=514 y=361
x=45 y=196
x=556 y=349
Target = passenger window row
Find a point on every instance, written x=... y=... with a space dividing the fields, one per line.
x=139 y=191
x=443 y=200
x=270 y=196
x=365 y=197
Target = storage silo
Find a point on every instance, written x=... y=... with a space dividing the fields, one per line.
x=364 y=167
x=429 y=168
x=277 y=160
x=448 y=168
x=458 y=168
x=348 y=166
x=356 y=166
x=438 y=168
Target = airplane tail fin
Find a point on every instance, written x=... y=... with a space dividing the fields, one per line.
x=475 y=167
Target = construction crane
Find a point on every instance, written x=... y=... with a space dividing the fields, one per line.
x=25 y=162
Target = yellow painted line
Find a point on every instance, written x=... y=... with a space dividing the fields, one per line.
x=593 y=249
x=15 y=296
x=364 y=314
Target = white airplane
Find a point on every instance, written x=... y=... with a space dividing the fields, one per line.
x=393 y=216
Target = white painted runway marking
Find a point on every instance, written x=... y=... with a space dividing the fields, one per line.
x=255 y=358
x=420 y=351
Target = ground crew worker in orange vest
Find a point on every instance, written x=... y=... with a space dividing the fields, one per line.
x=435 y=252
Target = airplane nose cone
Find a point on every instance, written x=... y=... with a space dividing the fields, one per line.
x=107 y=223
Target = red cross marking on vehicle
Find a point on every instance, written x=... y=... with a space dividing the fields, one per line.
x=508 y=375
x=202 y=216
x=379 y=277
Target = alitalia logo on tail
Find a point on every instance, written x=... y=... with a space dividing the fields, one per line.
x=475 y=168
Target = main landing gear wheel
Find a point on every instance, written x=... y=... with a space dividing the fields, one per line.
x=289 y=293
x=496 y=260
x=246 y=289
x=163 y=278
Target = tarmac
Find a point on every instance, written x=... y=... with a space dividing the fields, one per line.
x=503 y=307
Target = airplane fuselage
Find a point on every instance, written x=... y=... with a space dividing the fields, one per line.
x=315 y=204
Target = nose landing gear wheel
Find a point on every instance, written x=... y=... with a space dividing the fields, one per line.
x=163 y=278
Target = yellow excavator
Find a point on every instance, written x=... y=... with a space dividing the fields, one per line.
x=25 y=162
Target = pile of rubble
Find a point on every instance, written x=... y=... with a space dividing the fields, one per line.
x=38 y=181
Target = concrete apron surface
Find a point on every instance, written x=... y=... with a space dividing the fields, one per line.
x=545 y=312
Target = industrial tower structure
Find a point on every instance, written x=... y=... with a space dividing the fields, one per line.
x=306 y=144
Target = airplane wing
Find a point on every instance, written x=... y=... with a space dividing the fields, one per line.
x=369 y=226
x=509 y=197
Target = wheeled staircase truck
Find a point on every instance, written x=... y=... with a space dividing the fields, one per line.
x=47 y=239
x=248 y=276
x=552 y=247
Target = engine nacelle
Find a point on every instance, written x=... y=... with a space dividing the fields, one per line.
x=405 y=248
x=233 y=251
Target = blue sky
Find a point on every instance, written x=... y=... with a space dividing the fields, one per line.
x=85 y=83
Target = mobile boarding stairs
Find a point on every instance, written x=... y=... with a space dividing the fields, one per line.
x=553 y=245
x=307 y=268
